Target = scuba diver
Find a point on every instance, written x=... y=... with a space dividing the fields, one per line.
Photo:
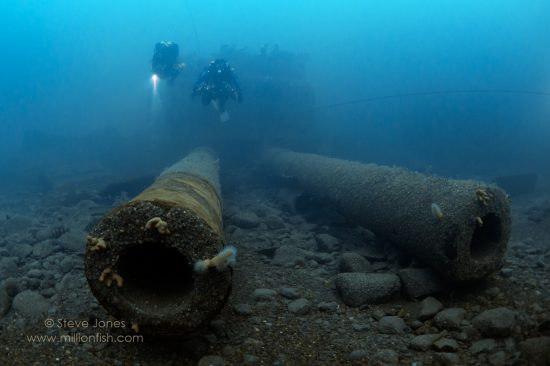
x=165 y=61
x=216 y=84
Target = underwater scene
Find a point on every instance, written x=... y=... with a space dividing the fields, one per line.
x=281 y=183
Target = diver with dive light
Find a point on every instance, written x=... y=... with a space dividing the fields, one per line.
x=216 y=84
x=164 y=64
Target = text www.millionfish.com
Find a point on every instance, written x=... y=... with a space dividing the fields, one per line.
x=85 y=338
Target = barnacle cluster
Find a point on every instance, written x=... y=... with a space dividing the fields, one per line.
x=108 y=276
x=483 y=197
x=159 y=224
x=436 y=211
x=96 y=243
x=479 y=221
x=221 y=261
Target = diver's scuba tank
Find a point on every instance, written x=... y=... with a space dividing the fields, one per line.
x=165 y=60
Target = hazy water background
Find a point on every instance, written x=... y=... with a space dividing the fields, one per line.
x=75 y=93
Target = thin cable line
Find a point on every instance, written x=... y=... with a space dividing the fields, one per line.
x=439 y=92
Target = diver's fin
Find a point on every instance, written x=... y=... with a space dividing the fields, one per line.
x=224 y=116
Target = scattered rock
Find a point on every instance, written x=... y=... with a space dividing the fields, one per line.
x=386 y=357
x=536 y=350
x=357 y=289
x=245 y=220
x=47 y=292
x=358 y=354
x=420 y=282
x=469 y=330
x=73 y=242
x=274 y=222
x=44 y=248
x=211 y=360
x=378 y=314
x=392 y=325
x=498 y=322
x=289 y=293
x=428 y=308
x=322 y=258
x=31 y=283
x=423 y=342
x=300 y=306
x=328 y=307
x=360 y=327
x=506 y=272
x=30 y=304
x=21 y=250
x=320 y=272
x=70 y=282
x=11 y=285
x=243 y=309
x=41 y=235
x=483 y=345
x=66 y=264
x=327 y=243
x=8 y=267
x=264 y=294
x=450 y=318
x=35 y=273
x=353 y=262
x=288 y=256
x=446 y=345
x=446 y=359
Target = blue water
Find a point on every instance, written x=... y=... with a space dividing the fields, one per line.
x=75 y=91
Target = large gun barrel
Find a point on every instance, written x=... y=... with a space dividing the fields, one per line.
x=459 y=227
x=140 y=257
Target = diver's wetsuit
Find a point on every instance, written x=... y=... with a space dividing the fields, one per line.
x=165 y=60
x=217 y=83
